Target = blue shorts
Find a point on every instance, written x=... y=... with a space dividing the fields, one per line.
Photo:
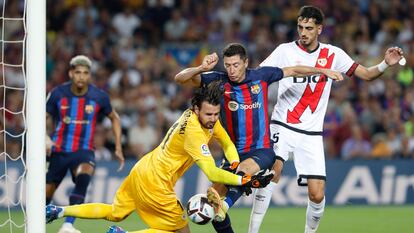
x=265 y=158
x=61 y=162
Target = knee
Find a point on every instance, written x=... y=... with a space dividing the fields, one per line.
x=277 y=168
x=276 y=178
x=316 y=197
x=116 y=218
x=248 y=166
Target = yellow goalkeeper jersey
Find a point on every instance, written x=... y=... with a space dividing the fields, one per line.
x=185 y=143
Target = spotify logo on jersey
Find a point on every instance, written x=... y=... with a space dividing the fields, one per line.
x=234 y=106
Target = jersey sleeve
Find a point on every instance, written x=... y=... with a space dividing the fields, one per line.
x=344 y=63
x=106 y=107
x=51 y=103
x=275 y=59
x=217 y=175
x=211 y=76
x=225 y=142
x=196 y=143
x=270 y=74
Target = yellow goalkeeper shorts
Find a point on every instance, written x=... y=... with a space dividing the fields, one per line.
x=158 y=208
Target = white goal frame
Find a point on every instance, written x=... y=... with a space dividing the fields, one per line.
x=36 y=116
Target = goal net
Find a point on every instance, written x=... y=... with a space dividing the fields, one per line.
x=16 y=89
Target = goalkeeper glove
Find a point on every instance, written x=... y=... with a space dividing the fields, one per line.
x=260 y=180
x=232 y=167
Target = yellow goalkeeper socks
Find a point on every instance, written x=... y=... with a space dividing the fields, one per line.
x=90 y=210
x=150 y=231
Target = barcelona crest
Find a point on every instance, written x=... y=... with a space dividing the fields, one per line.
x=89 y=108
x=255 y=89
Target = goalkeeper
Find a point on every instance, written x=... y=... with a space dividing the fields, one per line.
x=149 y=188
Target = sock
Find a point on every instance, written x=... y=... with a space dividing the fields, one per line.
x=224 y=226
x=314 y=213
x=234 y=192
x=48 y=200
x=78 y=194
x=261 y=202
x=150 y=231
x=90 y=210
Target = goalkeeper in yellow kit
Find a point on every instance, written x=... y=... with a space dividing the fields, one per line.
x=149 y=188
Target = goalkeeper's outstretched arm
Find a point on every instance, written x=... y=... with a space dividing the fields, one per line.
x=217 y=175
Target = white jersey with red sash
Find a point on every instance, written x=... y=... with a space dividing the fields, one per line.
x=302 y=102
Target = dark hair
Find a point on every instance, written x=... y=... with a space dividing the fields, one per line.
x=211 y=93
x=311 y=12
x=235 y=49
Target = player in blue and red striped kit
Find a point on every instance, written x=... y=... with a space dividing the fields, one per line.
x=75 y=107
x=244 y=113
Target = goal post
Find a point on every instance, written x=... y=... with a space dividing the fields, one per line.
x=36 y=115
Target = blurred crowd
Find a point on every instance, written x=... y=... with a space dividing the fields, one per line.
x=137 y=46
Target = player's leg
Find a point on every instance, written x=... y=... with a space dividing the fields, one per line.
x=123 y=205
x=159 y=208
x=310 y=167
x=86 y=211
x=167 y=215
x=58 y=166
x=116 y=229
x=262 y=199
x=283 y=143
x=50 y=190
x=248 y=166
x=56 y=171
x=82 y=168
x=316 y=204
x=251 y=164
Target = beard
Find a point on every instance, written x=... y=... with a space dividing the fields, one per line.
x=209 y=125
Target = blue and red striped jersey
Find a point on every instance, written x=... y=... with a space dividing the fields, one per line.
x=244 y=108
x=76 y=116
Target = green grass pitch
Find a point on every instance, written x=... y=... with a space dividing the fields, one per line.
x=348 y=219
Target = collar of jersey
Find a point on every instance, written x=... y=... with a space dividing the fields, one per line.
x=302 y=48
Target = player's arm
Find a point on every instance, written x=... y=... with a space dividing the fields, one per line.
x=217 y=175
x=303 y=71
x=116 y=128
x=195 y=144
x=392 y=56
x=230 y=151
x=49 y=142
x=51 y=110
x=191 y=76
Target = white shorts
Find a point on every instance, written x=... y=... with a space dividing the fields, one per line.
x=307 y=150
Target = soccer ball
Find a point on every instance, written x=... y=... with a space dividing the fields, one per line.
x=199 y=210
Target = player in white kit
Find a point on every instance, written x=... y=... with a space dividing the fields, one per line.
x=297 y=119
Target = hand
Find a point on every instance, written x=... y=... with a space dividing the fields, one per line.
x=334 y=75
x=393 y=55
x=260 y=180
x=232 y=167
x=209 y=61
x=248 y=190
x=49 y=145
x=120 y=157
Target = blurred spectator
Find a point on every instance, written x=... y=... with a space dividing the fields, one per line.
x=142 y=137
x=176 y=27
x=126 y=22
x=355 y=146
x=124 y=77
x=101 y=152
x=380 y=148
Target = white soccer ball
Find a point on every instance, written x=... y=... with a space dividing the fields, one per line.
x=199 y=210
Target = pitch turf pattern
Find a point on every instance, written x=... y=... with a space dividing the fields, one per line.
x=278 y=220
